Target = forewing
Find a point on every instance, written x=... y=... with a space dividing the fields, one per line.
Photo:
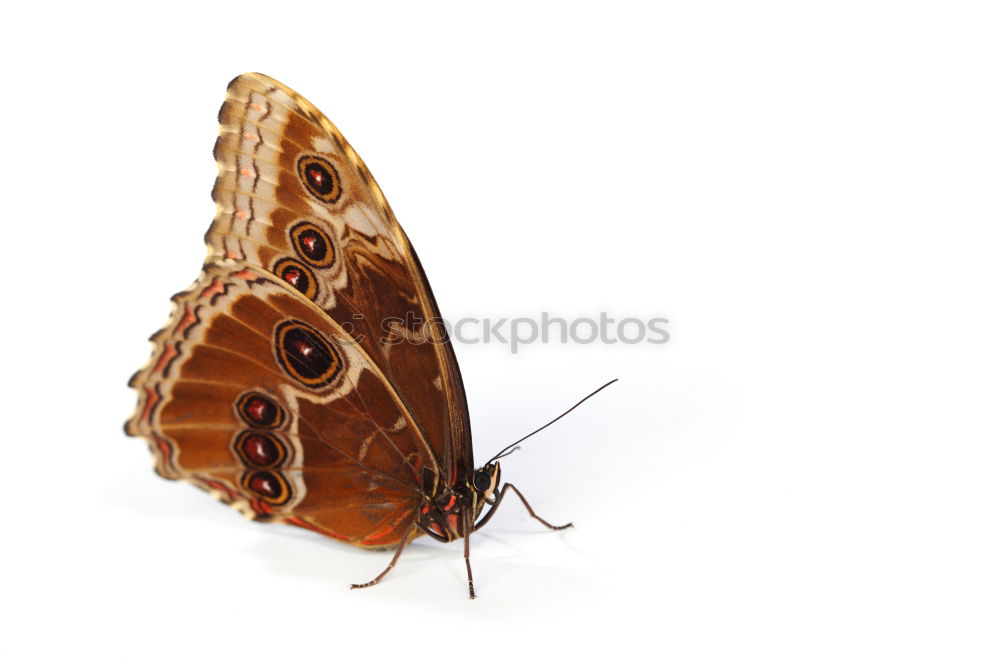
x=295 y=199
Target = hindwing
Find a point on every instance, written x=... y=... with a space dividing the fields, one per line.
x=253 y=396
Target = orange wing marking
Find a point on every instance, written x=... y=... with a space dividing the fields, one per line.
x=169 y=352
x=152 y=397
x=186 y=321
x=298 y=522
x=212 y=290
x=374 y=538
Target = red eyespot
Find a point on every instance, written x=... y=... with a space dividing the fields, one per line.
x=312 y=244
x=270 y=486
x=319 y=178
x=258 y=449
x=260 y=411
x=296 y=274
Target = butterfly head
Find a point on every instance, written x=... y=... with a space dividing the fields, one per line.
x=485 y=482
x=453 y=511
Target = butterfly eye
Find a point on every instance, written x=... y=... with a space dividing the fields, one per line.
x=482 y=481
x=320 y=178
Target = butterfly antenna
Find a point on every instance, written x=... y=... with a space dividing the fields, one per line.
x=510 y=448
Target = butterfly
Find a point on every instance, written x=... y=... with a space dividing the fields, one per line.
x=305 y=377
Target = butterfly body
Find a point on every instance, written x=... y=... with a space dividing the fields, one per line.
x=305 y=377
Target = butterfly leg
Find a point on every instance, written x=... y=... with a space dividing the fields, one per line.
x=531 y=512
x=468 y=565
x=392 y=563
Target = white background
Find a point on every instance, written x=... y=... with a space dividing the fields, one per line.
x=807 y=473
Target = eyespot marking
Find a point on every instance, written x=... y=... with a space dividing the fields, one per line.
x=305 y=355
x=312 y=244
x=260 y=411
x=320 y=178
x=298 y=275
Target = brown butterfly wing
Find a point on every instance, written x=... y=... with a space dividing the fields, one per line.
x=253 y=395
x=295 y=199
x=305 y=257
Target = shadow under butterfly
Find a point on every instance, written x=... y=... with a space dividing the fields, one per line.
x=305 y=377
